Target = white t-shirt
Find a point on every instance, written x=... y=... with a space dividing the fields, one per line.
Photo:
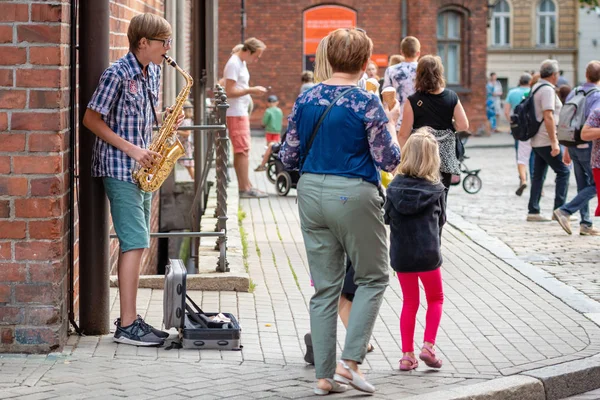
x=236 y=70
x=544 y=99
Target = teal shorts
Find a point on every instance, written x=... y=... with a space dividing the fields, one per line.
x=130 y=210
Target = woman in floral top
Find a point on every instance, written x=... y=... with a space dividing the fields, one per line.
x=339 y=200
x=591 y=131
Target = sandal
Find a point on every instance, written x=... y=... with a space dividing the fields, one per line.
x=335 y=388
x=370 y=348
x=428 y=357
x=357 y=382
x=413 y=363
x=260 y=168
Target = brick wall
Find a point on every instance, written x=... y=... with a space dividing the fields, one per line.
x=279 y=25
x=34 y=190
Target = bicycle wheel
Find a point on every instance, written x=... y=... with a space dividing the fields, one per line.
x=472 y=184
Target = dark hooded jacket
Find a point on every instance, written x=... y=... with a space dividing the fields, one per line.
x=416 y=211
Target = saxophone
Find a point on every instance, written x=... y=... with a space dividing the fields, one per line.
x=165 y=142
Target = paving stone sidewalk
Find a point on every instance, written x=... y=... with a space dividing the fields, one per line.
x=496 y=322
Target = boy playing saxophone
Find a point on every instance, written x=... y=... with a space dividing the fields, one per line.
x=121 y=114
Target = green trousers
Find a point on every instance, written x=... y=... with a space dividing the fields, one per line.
x=342 y=215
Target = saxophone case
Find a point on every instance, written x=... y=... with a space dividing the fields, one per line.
x=197 y=329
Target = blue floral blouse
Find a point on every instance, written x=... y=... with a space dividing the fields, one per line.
x=353 y=140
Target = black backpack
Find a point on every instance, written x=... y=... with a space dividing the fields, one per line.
x=523 y=123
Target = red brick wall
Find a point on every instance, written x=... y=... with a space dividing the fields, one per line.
x=279 y=25
x=34 y=192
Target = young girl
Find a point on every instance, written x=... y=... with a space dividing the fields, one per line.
x=416 y=211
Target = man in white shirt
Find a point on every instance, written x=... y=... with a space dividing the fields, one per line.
x=545 y=142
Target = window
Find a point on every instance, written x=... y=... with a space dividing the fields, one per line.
x=546 y=21
x=501 y=24
x=448 y=39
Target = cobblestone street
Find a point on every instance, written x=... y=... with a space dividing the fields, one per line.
x=496 y=321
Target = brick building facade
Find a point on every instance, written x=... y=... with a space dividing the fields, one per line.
x=34 y=169
x=280 y=25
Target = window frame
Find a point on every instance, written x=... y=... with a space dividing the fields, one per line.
x=446 y=41
x=505 y=19
x=547 y=16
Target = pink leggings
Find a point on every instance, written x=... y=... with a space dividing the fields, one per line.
x=409 y=282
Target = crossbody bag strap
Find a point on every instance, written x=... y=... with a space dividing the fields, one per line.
x=318 y=125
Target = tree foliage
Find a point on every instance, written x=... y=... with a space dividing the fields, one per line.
x=590 y=3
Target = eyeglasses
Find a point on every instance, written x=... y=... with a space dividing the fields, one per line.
x=166 y=42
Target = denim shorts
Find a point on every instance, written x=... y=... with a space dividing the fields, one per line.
x=130 y=210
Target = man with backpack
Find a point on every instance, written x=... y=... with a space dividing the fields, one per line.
x=579 y=105
x=545 y=142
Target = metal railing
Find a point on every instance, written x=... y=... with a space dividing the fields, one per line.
x=216 y=131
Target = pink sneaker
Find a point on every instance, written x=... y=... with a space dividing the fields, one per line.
x=428 y=357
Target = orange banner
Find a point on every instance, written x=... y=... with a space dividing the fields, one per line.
x=319 y=21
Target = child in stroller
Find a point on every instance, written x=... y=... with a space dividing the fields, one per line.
x=472 y=182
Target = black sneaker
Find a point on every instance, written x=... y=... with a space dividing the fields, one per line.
x=157 y=332
x=138 y=333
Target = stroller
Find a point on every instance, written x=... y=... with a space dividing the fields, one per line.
x=283 y=179
x=472 y=182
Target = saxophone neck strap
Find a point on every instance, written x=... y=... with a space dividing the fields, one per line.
x=152 y=105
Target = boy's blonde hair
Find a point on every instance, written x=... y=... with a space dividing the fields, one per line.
x=322 y=67
x=149 y=26
x=395 y=59
x=421 y=156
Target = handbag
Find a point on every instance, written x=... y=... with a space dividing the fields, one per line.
x=460 y=148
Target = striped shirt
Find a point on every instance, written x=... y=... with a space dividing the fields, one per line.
x=122 y=99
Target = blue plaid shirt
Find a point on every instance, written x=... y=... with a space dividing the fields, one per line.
x=122 y=99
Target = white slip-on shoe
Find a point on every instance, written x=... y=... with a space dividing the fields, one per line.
x=357 y=381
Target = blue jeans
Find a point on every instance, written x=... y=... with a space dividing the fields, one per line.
x=543 y=160
x=586 y=188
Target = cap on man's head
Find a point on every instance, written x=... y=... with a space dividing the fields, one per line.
x=272 y=99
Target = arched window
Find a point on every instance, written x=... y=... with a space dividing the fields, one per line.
x=501 y=24
x=546 y=23
x=449 y=32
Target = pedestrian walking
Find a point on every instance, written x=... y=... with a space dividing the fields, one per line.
x=239 y=97
x=435 y=106
x=591 y=131
x=494 y=93
x=120 y=114
x=523 y=148
x=545 y=142
x=416 y=212
x=324 y=72
x=401 y=76
x=581 y=157
x=338 y=199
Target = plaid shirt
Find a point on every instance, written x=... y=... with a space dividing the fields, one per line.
x=122 y=99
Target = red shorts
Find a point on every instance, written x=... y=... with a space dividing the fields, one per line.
x=239 y=133
x=272 y=137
